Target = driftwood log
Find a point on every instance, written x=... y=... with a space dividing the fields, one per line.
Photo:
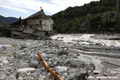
x=53 y=72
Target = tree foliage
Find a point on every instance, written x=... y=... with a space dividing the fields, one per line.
x=5 y=30
x=97 y=16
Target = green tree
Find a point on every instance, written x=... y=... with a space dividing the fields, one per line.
x=6 y=30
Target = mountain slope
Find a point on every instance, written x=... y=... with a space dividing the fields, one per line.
x=8 y=20
x=94 y=17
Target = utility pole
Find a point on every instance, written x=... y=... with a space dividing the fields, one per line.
x=41 y=18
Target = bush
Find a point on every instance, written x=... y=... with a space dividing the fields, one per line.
x=6 y=31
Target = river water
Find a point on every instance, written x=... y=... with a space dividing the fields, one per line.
x=1 y=45
x=87 y=39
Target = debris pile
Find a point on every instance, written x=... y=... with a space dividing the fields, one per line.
x=72 y=61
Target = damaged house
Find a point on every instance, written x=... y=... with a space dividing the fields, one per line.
x=36 y=26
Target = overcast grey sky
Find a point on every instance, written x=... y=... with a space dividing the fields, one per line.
x=24 y=8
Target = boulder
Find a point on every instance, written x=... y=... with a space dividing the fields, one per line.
x=62 y=51
x=4 y=60
x=71 y=77
x=22 y=55
x=26 y=70
x=76 y=62
x=73 y=71
x=23 y=72
x=33 y=63
x=61 y=69
x=44 y=55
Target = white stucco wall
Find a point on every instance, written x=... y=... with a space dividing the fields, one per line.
x=47 y=24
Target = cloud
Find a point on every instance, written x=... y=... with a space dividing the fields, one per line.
x=49 y=6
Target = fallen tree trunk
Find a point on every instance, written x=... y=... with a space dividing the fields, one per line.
x=53 y=72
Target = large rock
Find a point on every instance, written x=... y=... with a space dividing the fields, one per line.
x=22 y=55
x=45 y=56
x=107 y=74
x=73 y=71
x=9 y=70
x=41 y=77
x=23 y=46
x=61 y=69
x=62 y=51
x=4 y=60
x=33 y=63
x=71 y=77
x=76 y=62
x=26 y=70
x=23 y=72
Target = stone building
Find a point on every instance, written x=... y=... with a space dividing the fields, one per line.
x=36 y=24
x=39 y=21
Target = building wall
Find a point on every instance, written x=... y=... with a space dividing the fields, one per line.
x=47 y=24
x=37 y=27
x=16 y=27
x=33 y=21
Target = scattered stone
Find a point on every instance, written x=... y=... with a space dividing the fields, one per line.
x=20 y=78
x=71 y=77
x=9 y=70
x=62 y=51
x=44 y=55
x=21 y=74
x=3 y=60
x=72 y=71
x=4 y=77
x=49 y=77
x=26 y=70
x=3 y=48
x=33 y=63
x=61 y=69
x=26 y=65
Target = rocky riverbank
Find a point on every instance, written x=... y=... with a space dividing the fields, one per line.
x=70 y=55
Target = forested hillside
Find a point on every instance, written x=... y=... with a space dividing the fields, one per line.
x=95 y=17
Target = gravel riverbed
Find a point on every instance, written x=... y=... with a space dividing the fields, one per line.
x=68 y=54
